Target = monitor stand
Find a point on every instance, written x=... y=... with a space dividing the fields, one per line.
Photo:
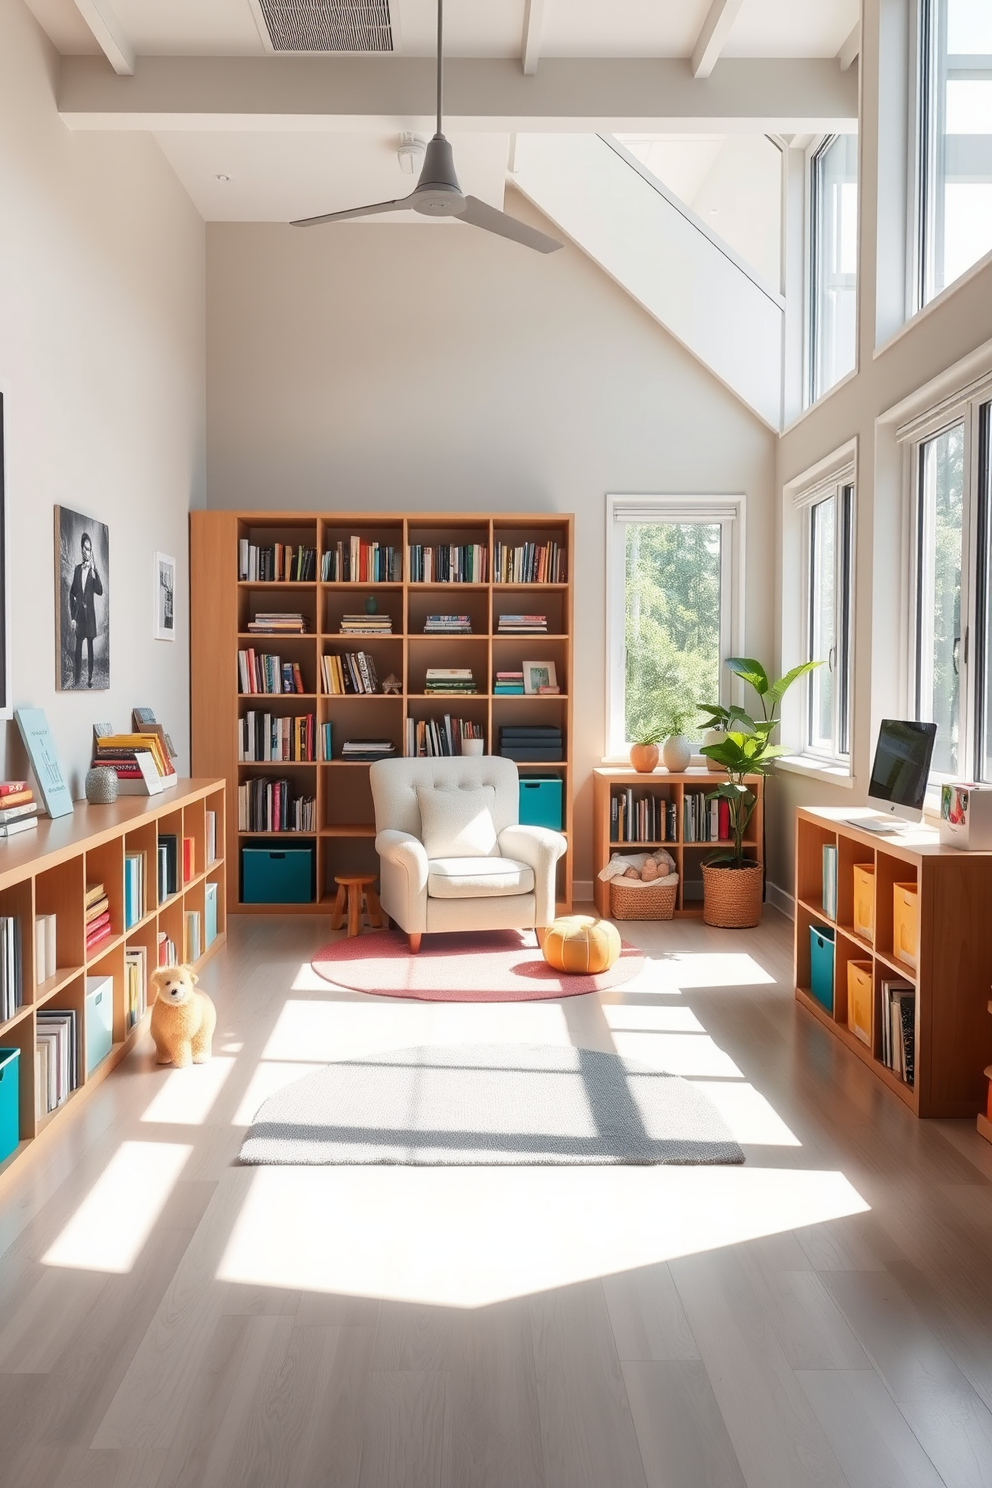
x=880 y=824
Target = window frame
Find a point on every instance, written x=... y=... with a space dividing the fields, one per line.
x=841 y=489
x=729 y=512
x=812 y=392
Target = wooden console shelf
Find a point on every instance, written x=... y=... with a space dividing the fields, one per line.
x=46 y=871
x=674 y=788
x=953 y=971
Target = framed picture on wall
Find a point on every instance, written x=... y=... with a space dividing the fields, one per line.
x=165 y=597
x=82 y=602
x=6 y=710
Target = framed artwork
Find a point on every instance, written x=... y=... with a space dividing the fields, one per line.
x=82 y=602
x=165 y=597
x=538 y=674
x=5 y=705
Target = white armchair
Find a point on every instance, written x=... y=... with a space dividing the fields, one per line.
x=452 y=852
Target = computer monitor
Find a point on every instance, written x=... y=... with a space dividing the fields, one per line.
x=901 y=768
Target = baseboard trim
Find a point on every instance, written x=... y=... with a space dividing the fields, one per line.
x=582 y=892
x=780 y=900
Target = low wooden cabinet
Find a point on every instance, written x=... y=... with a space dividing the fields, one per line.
x=46 y=871
x=953 y=971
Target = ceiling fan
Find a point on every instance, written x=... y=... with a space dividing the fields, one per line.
x=438 y=194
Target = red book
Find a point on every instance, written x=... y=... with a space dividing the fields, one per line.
x=724 y=821
x=188 y=869
x=13 y=787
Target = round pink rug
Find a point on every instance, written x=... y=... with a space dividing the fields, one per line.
x=468 y=966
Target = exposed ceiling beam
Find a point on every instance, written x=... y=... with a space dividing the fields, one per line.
x=713 y=35
x=603 y=95
x=530 y=49
x=851 y=47
x=107 y=30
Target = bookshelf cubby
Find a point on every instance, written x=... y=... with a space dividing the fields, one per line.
x=46 y=872
x=953 y=1032
x=223 y=605
x=666 y=786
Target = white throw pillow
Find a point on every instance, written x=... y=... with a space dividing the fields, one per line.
x=458 y=823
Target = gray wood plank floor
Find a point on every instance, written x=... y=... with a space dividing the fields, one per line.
x=822 y=1316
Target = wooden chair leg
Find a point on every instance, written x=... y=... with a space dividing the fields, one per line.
x=354 y=909
x=374 y=908
x=414 y=942
x=337 y=914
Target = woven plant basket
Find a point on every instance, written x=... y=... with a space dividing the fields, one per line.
x=732 y=896
x=646 y=901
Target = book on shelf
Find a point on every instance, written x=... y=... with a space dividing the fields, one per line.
x=326 y=741
x=189 y=859
x=265 y=738
x=638 y=817
x=209 y=915
x=192 y=949
x=38 y=741
x=522 y=625
x=56 y=1034
x=703 y=820
x=166 y=950
x=829 y=890
x=264 y=672
x=898 y=1027
x=135 y=983
x=14 y=788
x=354 y=560
x=11 y=968
x=508 y=684
x=530 y=563
x=141 y=761
x=361 y=750
x=267 y=805
x=449 y=563
x=448 y=625
x=349 y=673
x=276 y=562
x=371 y=625
x=449 y=680
x=530 y=745
x=45 y=963
x=270 y=622
x=18 y=808
x=211 y=835
x=427 y=737
x=168 y=865
x=134 y=888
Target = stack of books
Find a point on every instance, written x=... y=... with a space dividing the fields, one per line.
x=448 y=625
x=356 y=561
x=705 y=821
x=522 y=625
x=134 y=888
x=899 y=1028
x=18 y=808
x=56 y=1058
x=357 y=750
x=508 y=684
x=45 y=953
x=439 y=736
x=353 y=672
x=168 y=865
x=645 y=817
x=530 y=563
x=11 y=976
x=449 y=563
x=135 y=983
x=264 y=673
x=270 y=806
x=278 y=563
x=97 y=917
x=449 y=680
x=264 y=737
x=140 y=761
x=532 y=744
x=166 y=950
x=277 y=623
x=380 y=625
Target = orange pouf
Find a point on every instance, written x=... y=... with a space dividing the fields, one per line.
x=581 y=944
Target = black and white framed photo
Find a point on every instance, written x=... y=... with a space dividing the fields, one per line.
x=82 y=602
x=165 y=597
x=538 y=675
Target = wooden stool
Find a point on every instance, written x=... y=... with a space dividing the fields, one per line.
x=356 y=886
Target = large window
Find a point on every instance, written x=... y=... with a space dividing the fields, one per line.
x=833 y=263
x=955 y=175
x=671 y=606
x=952 y=565
x=829 y=600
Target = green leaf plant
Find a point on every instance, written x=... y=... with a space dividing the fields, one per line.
x=746 y=748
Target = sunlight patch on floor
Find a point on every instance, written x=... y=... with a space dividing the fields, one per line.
x=111 y=1225
x=468 y=1237
x=714 y=969
x=650 y=1018
x=186 y=1096
x=678 y=1053
x=267 y=1078
x=750 y=1117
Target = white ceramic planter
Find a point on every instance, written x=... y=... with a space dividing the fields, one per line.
x=676 y=753
x=713 y=736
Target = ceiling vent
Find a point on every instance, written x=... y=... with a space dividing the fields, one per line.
x=328 y=25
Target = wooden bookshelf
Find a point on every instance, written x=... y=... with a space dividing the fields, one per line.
x=46 y=871
x=222 y=605
x=953 y=972
x=670 y=787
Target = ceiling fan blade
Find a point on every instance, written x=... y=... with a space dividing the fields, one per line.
x=400 y=205
x=481 y=214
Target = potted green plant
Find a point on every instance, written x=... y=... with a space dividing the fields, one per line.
x=732 y=884
x=645 y=751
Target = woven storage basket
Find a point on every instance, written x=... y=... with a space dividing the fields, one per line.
x=646 y=901
x=732 y=896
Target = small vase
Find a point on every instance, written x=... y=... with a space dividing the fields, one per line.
x=101 y=786
x=676 y=752
x=644 y=757
x=713 y=736
x=473 y=746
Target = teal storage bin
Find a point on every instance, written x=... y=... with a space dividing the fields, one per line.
x=10 y=1120
x=541 y=801
x=821 y=962
x=98 y=1020
x=277 y=875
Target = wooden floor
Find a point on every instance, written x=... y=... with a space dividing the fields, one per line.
x=821 y=1316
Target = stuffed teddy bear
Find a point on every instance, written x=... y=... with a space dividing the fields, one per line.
x=183 y=1020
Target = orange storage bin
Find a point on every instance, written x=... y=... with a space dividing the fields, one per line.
x=905 y=923
x=864 y=900
x=859 y=999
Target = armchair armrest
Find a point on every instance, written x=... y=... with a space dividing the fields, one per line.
x=403 y=879
x=540 y=849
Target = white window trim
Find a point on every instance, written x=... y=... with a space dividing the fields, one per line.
x=810 y=397
x=729 y=511
x=826 y=477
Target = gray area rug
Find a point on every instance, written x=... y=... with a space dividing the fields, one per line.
x=489 y=1105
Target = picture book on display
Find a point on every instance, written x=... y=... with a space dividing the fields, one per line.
x=40 y=745
x=18 y=808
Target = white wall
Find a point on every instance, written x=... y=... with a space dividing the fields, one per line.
x=102 y=351
x=392 y=368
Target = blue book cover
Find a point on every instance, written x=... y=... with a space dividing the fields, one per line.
x=40 y=746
